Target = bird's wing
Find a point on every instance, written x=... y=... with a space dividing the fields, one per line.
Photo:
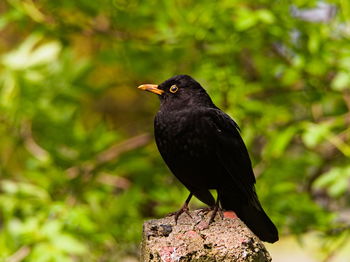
x=230 y=150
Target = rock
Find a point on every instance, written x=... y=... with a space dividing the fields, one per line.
x=226 y=239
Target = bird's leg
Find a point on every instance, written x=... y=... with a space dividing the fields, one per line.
x=183 y=209
x=206 y=210
x=215 y=210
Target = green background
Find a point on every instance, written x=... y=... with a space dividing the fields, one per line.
x=79 y=170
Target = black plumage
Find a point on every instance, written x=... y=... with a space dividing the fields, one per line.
x=203 y=148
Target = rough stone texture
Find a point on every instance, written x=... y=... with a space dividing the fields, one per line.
x=226 y=239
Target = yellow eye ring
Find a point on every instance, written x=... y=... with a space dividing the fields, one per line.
x=173 y=89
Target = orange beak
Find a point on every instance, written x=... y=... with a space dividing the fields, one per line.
x=151 y=88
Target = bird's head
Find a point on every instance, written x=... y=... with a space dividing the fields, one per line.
x=181 y=90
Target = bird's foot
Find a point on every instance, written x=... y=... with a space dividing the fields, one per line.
x=215 y=210
x=184 y=209
x=205 y=224
x=205 y=210
x=177 y=214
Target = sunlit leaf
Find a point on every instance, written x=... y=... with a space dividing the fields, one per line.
x=68 y=244
x=32 y=53
x=314 y=134
x=341 y=81
x=335 y=181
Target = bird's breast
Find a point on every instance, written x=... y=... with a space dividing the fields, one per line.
x=187 y=150
x=181 y=135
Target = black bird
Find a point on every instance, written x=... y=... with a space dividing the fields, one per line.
x=203 y=148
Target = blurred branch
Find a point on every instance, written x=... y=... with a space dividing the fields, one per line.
x=30 y=144
x=19 y=255
x=280 y=51
x=32 y=11
x=115 y=181
x=336 y=243
x=346 y=97
x=339 y=141
x=112 y=153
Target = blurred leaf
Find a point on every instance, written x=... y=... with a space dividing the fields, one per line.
x=335 y=181
x=341 y=81
x=31 y=53
x=281 y=140
x=26 y=189
x=68 y=94
x=68 y=244
x=315 y=133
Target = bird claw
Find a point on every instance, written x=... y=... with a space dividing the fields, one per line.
x=177 y=214
x=215 y=210
x=221 y=213
x=205 y=210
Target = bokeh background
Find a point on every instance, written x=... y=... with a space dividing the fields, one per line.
x=79 y=170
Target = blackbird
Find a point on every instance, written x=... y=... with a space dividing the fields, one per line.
x=203 y=148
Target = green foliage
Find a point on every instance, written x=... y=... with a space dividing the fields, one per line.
x=77 y=180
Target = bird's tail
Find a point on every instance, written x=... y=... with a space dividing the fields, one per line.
x=252 y=214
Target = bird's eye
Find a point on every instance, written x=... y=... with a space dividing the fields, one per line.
x=173 y=89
